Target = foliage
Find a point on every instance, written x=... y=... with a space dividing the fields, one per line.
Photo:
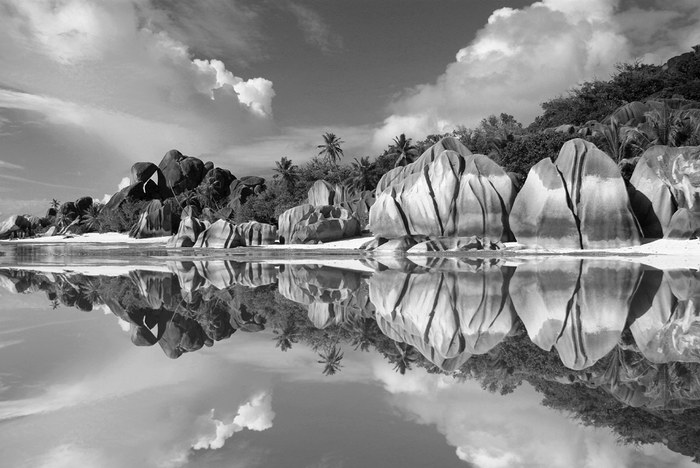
x=521 y=154
x=288 y=172
x=122 y=218
x=402 y=151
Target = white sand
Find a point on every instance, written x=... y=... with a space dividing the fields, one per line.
x=93 y=237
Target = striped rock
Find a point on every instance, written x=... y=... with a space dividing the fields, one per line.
x=400 y=173
x=447 y=315
x=561 y=305
x=452 y=195
x=289 y=219
x=324 y=193
x=220 y=234
x=154 y=221
x=15 y=226
x=188 y=231
x=254 y=233
x=579 y=202
x=667 y=180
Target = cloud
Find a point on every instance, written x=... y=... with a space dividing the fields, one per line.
x=107 y=68
x=254 y=415
x=9 y=166
x=523 y=57
x=316 y=31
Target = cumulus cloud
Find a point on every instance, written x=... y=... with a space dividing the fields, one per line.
x=522 y=57
x=255 y=415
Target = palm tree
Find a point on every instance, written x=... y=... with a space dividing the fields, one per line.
x=402 y=149
x=91 y=219
x=288 y=336
x=617 y=138
x=404 y=357
x=330 y=148
x=55 y=204
x=331 y=360
x=362 y=174
x=288 y=172
x=361 y=333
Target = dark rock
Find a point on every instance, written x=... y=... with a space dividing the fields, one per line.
x=208 y=166
x=51 y=212
x=217 y=182
x=181 y=172
x=68 y=211
x=15 y=226
x=83 y=204
x=252 y=181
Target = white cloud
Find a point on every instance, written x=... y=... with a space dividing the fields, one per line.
x=106 y=68
x=523 y=57
x=124 y=183
x=254 y=415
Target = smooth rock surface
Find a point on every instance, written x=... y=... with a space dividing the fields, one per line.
x=445 y=194
x=181 y=172
x=221 y=234
x=579 y=202
x=155 y=221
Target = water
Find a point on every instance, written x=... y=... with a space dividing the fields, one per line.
x=132 y=357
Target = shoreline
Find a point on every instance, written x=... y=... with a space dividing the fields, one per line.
x=659 y=253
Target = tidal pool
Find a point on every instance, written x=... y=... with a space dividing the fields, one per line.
x=125 y=357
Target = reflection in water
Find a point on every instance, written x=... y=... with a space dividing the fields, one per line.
x=616 y=344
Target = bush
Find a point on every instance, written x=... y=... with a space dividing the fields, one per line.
x=121 y=219
x=522 y=153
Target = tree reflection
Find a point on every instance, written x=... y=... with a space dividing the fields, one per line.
x=330 y=358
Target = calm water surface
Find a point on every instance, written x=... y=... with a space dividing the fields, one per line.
x=116 y=357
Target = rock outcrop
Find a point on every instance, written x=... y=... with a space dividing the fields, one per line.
x=147 y=183
x=307 y=224
x=667 y=180
x=217 y=183
x=561 y=305
x=579 y=202
x=181 y=172
x=445 y=193
x=188 y=231
x=221 y=234
x=254 y=233
x=242 y=189
x=324 y=193
x=15 y=226
x=155 y=221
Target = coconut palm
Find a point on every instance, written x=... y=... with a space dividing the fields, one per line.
x=402 y=149
x=618 y=138
x=91 y=218
x=362 y=174
x=288 y=336
x=330 y=148
x=361 y=333
x=55 y=204
x=331 y=358
x=288 y=172
x=404 y=357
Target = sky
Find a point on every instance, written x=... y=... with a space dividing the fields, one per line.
x=73 y=381
x=88 y=87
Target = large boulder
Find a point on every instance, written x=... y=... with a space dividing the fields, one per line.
x=254 y=233
x=155 y=221
x=181 y=172
x=324 y=193
x=323 y=224
x=221 y=234
x=446 y=194
x=289 y=219
x=68 y=211
x=241 y=189
x=147 y=183
x=83 y=204
x=15 y=226
x=217 y=182
x=667 y=180
x=402 y=172
x=188 y=231
x=579 y=202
